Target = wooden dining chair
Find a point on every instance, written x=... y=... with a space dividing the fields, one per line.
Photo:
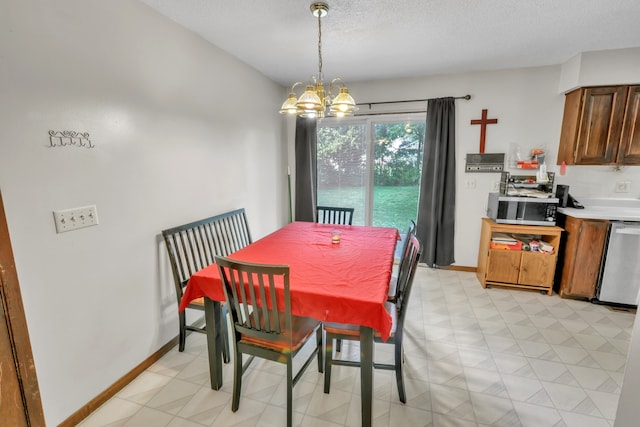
x=398 y=311
x=193 y=246
x=334 y=215
x=263 y=324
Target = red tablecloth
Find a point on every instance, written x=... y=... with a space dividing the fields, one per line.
x=345 y=282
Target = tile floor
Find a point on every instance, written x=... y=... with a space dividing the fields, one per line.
x=474 y=357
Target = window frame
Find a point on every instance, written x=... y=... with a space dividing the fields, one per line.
x=370 y=121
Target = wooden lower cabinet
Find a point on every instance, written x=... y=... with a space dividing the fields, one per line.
x=518 y=269
x=579 y=266
x=538 y=269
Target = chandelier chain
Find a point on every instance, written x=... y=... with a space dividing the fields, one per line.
x=319 y=46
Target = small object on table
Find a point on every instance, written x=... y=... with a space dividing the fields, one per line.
x=335 y=237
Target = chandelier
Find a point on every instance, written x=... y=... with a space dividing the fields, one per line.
x=314 y=101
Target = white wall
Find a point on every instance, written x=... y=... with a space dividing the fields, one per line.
x=602 y=67
x=99 y=300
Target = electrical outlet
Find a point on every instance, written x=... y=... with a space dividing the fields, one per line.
x=73 y=219
x=495 y=186
x=470 y=183
x=622 y=186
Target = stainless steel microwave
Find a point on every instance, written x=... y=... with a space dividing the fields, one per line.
x=522 y=210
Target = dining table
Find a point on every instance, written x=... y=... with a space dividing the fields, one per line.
x=338 y=273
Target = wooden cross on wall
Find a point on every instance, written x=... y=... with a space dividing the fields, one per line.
x=483 y=122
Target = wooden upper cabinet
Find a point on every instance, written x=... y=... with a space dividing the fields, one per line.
x=601 y=126
x=629 y=153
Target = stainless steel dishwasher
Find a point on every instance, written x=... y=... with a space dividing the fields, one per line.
x=620 y=276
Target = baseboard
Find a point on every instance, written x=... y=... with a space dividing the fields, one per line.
x=97 y=401
x=459 y=268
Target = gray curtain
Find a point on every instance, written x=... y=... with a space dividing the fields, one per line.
x=436 y=207
x=306 y=169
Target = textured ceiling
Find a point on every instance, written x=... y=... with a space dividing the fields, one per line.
x=379 y=39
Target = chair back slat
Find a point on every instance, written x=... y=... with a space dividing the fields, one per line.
x=217 y=238
x=234 y=234
x=204 y=237
x=334 y=215
x=240 y=301
x=266 y=314
x=193 y=246
x=250 y=290
x=194 y=250
x=252 y=301
x=275 y=324
x=240 y=232
x=172 y=242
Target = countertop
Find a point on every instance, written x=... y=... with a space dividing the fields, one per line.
x=611 y=209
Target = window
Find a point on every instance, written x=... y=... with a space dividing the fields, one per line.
x=373 y=165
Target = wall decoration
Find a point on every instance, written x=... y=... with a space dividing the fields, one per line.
x=69 y=137
x=483 y=122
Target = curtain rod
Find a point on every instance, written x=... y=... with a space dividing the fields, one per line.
x=466 y=97
x=365 y=113
x=390 y=113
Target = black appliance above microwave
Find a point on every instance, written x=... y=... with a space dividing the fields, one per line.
x=522 y=210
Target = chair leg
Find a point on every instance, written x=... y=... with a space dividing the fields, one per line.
x=328 y=359
x=224 y=332
x=237 y=381
x=399 y=360
x=338 y=345
x=319 y=347
x=289 y=392
x=183 y=331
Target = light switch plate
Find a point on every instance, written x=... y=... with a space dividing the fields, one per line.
x=73 y=219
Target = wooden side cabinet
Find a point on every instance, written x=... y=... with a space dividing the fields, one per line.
x=601 y=126
x=582 y=256
x=518 y=269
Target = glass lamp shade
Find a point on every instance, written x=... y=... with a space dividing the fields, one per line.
x=289 y=105
x=309 y=100
x=343 y=104
x=310 y=103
